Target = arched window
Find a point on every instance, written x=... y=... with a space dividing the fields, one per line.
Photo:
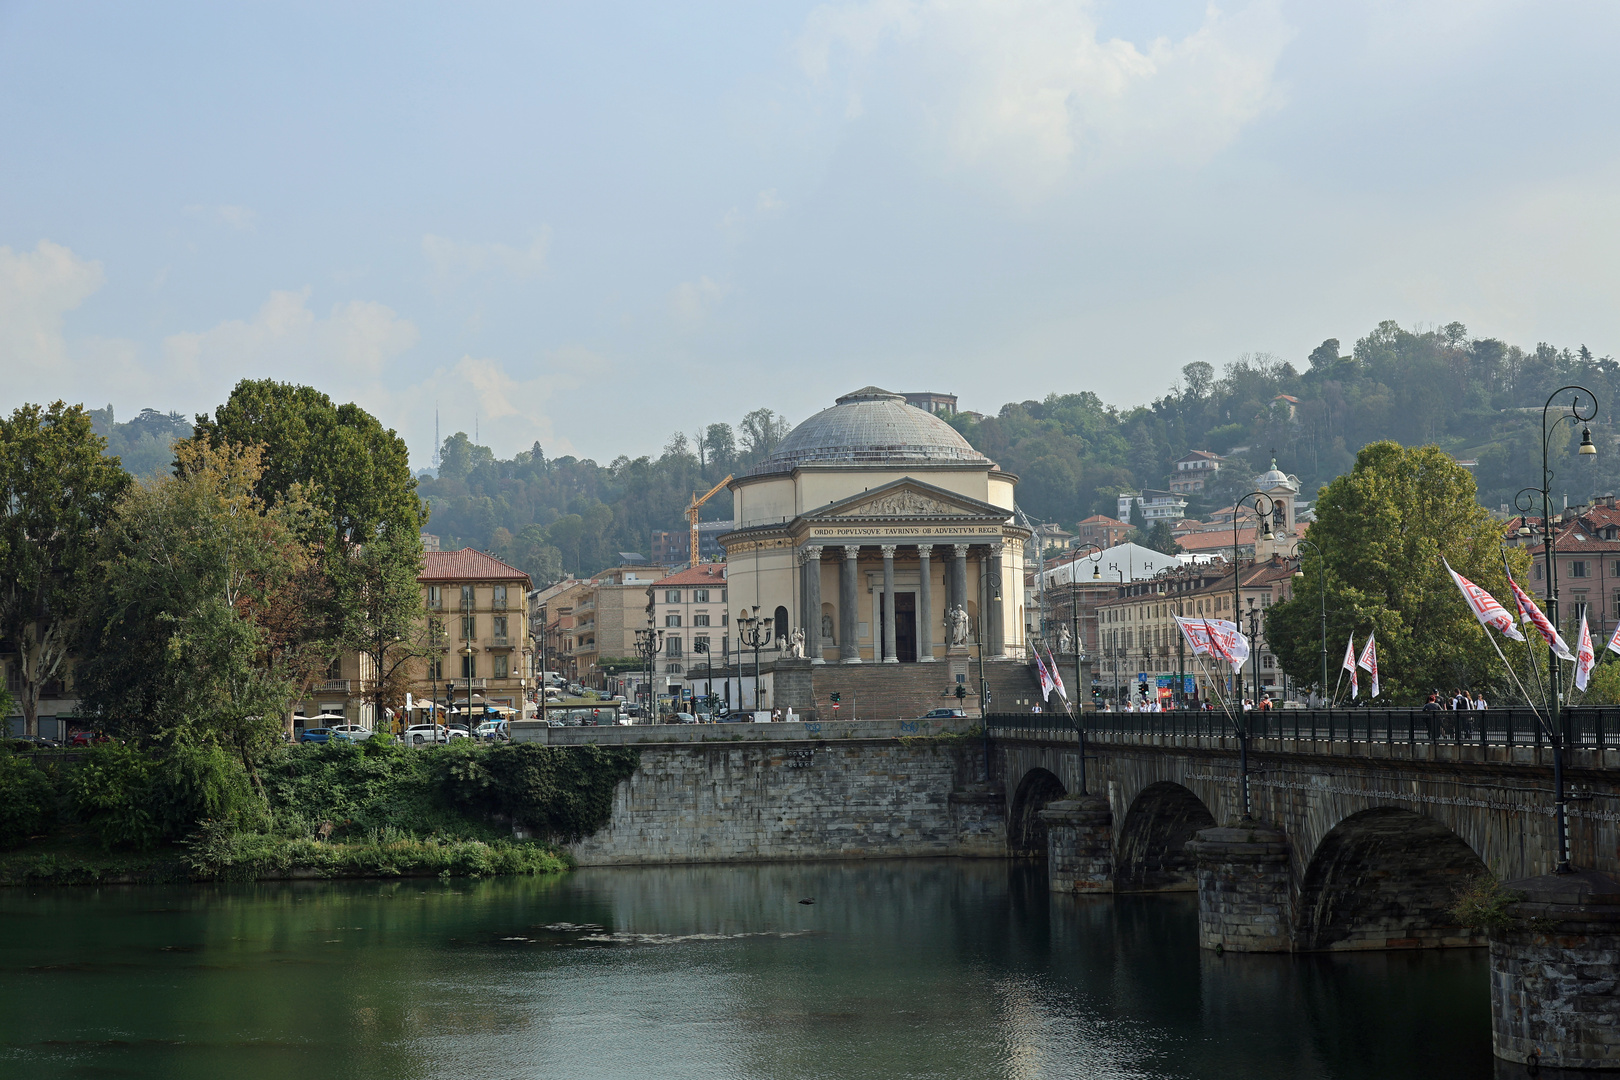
x=781 y=630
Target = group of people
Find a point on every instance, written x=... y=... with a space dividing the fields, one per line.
x=1459 y=701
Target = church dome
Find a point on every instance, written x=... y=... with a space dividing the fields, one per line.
x=1274 y=478
x=871 y=426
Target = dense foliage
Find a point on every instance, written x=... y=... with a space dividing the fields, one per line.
x=144 y=445
x=1384 y=528
x=27 y=800
x=128 y=797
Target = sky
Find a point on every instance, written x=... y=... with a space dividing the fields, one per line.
x=591 y=225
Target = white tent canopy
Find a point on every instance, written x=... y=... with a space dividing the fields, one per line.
x=1139 y=564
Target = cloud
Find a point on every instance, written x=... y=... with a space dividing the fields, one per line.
x=240 y=218
x=453 y=261
x=351 y=345
x=1028 y=92
x=691 y=301
x=38 y=288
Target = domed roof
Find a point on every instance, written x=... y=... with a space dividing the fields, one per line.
x=871 y=426
x=1274 y=477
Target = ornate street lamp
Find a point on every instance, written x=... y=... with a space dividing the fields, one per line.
x=1525 y=502
x=754 y=633
x=1264 y=529
x=1299 y=574
x=648 y=642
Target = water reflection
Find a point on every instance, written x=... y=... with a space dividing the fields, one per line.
x=898 y=969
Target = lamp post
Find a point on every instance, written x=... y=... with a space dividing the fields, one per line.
x=1254 y=648
x=1113 y=645
x=648 y=642
x=1321 y=563
x=1275 y=513
x=754 y=633
x=991 y=595
x=470 y=655
x=1525 y=503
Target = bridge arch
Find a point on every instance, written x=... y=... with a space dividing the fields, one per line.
x=1150 y=854
x=1385 y=878
x=1026 y=832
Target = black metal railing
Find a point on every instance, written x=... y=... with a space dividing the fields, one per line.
x=1590 y=727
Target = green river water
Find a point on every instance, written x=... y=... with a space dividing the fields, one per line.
x=945 y=968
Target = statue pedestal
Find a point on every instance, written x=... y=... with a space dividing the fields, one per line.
x=959 y=662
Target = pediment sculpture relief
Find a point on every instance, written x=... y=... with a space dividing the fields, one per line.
x=901 y=504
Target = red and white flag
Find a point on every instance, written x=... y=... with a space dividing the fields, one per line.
x=1585 y=656
x=1046 y=680
x=1350 y=666
x=1484 y=606
x=1215 y=637
x=1531 y=614
x=1614 y=640
x=1057 y=679
x=1369 y=661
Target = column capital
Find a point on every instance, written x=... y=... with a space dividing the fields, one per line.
x=851 y=551
x=995 y=547
x=961 y=550
x=888 y=550
x=925 y=552
x=813 y=550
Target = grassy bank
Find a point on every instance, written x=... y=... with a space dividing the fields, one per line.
x=374 y=810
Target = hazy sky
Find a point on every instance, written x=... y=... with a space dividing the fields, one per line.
x=595 y=223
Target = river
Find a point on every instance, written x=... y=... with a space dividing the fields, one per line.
x=910 y=969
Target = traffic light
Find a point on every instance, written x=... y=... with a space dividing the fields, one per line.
x=961 y=692
x=836 y=697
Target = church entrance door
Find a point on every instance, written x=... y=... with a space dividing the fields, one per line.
x=905 y=627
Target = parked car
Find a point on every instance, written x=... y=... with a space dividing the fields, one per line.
x=33 y=742
x=493 y=730
x=944 y=714
x=683 y=718
x=417 y=734
x=353 y=731
x=323 y=735
x=87 y=738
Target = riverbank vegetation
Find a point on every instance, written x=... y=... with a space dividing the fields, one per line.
x=186 y=808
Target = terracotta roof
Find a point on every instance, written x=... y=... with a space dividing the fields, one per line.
x=1214 y=540
x=702 y=574
x=468 y=564
x=1102 y=519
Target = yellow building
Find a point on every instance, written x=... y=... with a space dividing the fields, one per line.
x=478 y=601
x=880 y=534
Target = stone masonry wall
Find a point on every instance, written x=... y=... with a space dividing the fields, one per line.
x=770 y=801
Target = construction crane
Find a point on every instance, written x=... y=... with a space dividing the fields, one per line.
x=692 y=516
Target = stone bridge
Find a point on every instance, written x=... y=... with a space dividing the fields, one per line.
x=1356 y=839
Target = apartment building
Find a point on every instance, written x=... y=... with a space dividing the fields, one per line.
x=476 y=604
x=689 y=608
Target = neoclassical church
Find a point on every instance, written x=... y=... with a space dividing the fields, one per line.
x=881 y=535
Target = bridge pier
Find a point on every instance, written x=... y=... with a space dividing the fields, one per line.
x=1555 y=978
x=1243 y=888
x=1079 y=844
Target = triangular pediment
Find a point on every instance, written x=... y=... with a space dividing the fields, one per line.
x=908 y=498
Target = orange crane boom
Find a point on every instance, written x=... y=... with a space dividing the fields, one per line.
x=692 y=516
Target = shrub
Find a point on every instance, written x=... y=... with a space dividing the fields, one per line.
x=562 y=792
x=27 y=800
x=1484 y=904
x=129 y=798
x=111 y=794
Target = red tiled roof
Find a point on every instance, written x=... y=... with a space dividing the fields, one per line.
x=702 y=574
x=1102 y=519
x=468 y=564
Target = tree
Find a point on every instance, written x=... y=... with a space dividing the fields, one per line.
x=57 y=491
x=1199 y=377
x=178 y=636
x=338 y=457
x=1160 y=538
x=1384 y=528
x=383 y=617
x=762 y=429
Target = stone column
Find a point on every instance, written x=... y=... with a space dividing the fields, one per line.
x=1244 y=902
x=889 y=654
x=925 y=609
x=1554 y=1004
x=995 y=618
x=959 y=576
x=1079 y=844
x=814 y=647
x=849 y=649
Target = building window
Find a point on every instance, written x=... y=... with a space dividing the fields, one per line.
x=725 y=618
x=672 y=620
x=435 y=596
x=334 y=670
x=700 y=596
x=469 y=666
x=500 y=629
x=1538 y=571
x=672 y=646
x=722 y=596
x=672 y=669
x=469 y=627
x=435 y=669
x=700 y=619
x=1577 y=568
x=466 y=598
x=672 y=596
x=500 y=665
x=500 y=598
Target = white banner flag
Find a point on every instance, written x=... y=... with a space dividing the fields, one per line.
x=1350 y=666
x=1369 y=661
x=1585 y=656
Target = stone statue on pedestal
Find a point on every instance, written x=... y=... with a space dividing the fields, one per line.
x=1065 y=639
x=959 y=625
x=795 y=649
